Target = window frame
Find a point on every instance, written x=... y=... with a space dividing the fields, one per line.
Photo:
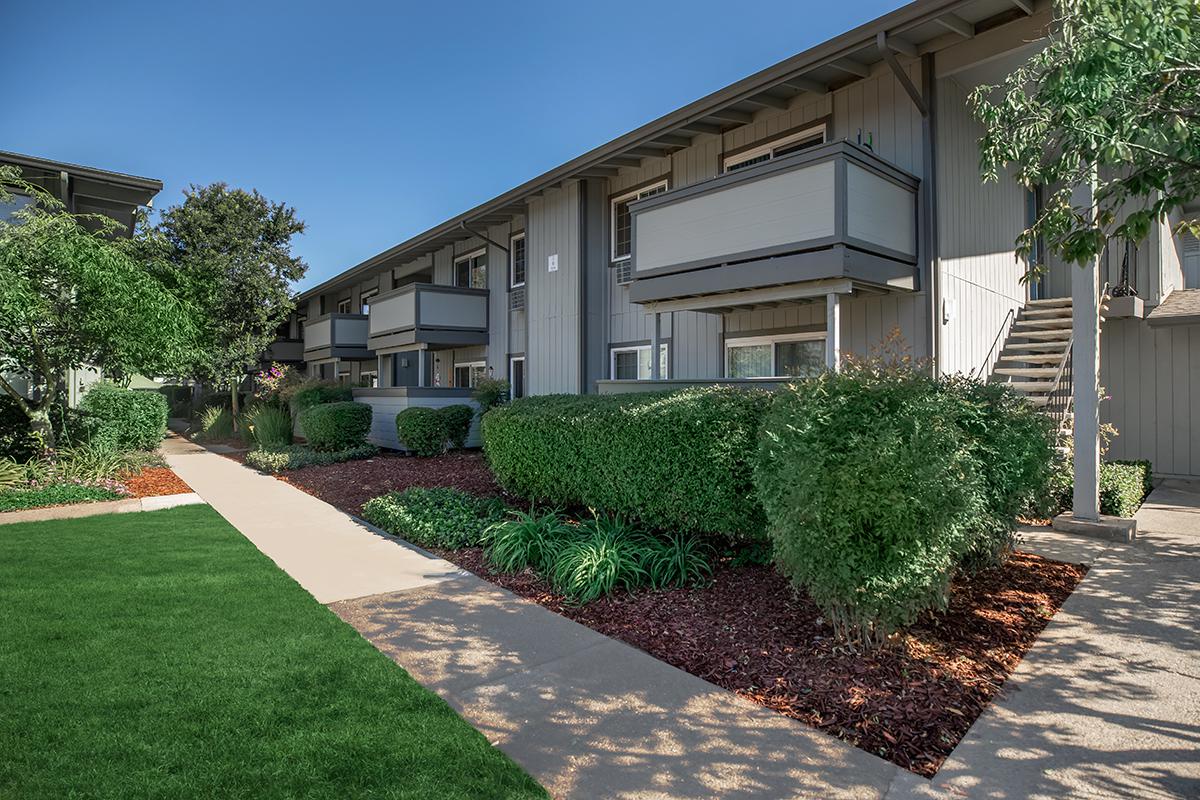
x=482 y=251
x=524 y=377
x=771 y=339
x=637 y=193
x=468 y=365
x=512 y=260
x=343 y=303
x=729 y=163
x=664 y=374
x=364 y=300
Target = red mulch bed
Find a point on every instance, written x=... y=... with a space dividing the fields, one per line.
x=749 y=632
x=155 y=482
x=350 y=484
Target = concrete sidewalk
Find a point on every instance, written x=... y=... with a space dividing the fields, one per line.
x=1106 y=704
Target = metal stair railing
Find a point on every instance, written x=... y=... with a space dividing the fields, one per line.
x=1001 y=335
x=1062 y=393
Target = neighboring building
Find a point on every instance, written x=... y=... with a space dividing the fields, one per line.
x=84 y=190
x=762 y=232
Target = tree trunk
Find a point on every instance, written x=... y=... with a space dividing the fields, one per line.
x=39 y=423
x=233 y=404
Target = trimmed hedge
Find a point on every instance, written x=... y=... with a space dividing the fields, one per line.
x=336 y=426
x=680 y=461
x=124 y=419
x=298 y=456
x=319 y=393
x=1123 y=487
x=438 y=517
x=422 y=431
x=457 y=421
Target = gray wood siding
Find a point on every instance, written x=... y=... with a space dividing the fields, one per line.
x=553 y=314
x=977 y=225
x=1151 y=379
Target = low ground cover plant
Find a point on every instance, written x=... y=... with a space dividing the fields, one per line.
x=57 y=494
x=674 y=461
x=124 y=419
x=336 y=426
x=437 y=517
x=299 y=456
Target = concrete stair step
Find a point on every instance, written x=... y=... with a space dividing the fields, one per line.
x=1039 y=400
x=1042 y=324
x=1050 y=302
x=1030 y=372
x=1032 y=358
x=1054 y=312
x=1062 y=335
x=1032 y=387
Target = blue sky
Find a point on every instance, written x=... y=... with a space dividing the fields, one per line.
x=374 y=120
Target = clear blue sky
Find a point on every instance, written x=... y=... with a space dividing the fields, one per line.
x=374 y=120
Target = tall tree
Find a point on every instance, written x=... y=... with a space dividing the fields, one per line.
x=228 y=252
x=1113 y=101
x=71 y=297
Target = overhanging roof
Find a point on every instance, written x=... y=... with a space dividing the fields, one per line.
x=77 y=170
x=913 y=29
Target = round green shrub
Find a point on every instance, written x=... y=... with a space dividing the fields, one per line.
x=422 y=430
x=457 y=421
x=315 y=393
x=125 y=419
x=871 y=492
x=679 y=461
x=336 y=426
x=16 y=439
x=437 y=517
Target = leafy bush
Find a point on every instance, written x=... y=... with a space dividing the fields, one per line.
x=124 y=419
x=527 y=541
x=422 y=431
x=336 y=426
x=678 y=559
x=57 y=494
x=435 y=517
x=268 y=426
x=676 y=461
x=91 y=462
x=871 y=489
x=605 y=556
x=457 y=421
x=16 y=439
x=299 y=456
x=12 y=474
x=314 y=393
x=1123 y=487
x=491 y=392
x=216 y=422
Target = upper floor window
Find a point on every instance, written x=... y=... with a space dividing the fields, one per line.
x=16 y=202
x=622 y=220
x=343 y=306
x=783 y=146
x=365 y=298
x=471 y=270
x=516 y=256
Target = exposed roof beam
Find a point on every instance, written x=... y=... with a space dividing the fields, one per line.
x=1024 y=5
x=599 y=172
x=885 y=51
x=700 y=127
x=850 y=65
x=954 y=22
x=768 y=100
x=672 y=140
x=647 y=150
x=803 y=84
x=731 y=115
x=624 y=161
x=902 y=46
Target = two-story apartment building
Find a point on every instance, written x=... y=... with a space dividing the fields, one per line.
x=762 y=232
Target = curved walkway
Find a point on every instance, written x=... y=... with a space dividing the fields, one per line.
x=1106 y=704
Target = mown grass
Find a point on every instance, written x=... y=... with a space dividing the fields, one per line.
x=160 y=655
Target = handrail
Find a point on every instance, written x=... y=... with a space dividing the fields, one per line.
x=1000 y=334
x=1058 y=401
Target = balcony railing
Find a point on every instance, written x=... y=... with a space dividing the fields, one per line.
x=428 y=314
x=285 y=350
x=835 y=213
x=337 y=336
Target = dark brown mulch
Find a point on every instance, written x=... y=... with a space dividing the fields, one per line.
x=749 y=632
x=155 y=482
x=350 y=484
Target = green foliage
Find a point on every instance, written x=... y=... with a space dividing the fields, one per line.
x=1123 y=487
x=125 y=419
x=457 y=421
x=299 y=456
x=677 y=461
x=71 y=296
x=216 y=422
x=422 y=430
x=438 y=517
x=491 y=392
x=605 y=556
x=527 y=541
x=677 y=559
x=228 y=254
x=12 y=474
x=56 y=494
x=336 y=426
x=268 y=426
x=1111 y=99
x=16 y=439
x=314 y=393
x=871 y=489
x=91 y=462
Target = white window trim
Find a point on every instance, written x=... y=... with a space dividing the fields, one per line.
x=468 y=364
x=466 y=257
x=753 y=341
x=513 y=360
x=770 y=147
x=612 y=359
x=512 y=253
x=664 y=184
x=346 y=301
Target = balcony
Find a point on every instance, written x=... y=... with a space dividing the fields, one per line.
x=285 y=351
x=342 y=336
x=423 y=314
x=831 y=219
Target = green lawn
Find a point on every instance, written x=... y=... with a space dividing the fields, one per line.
x=160 y=655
